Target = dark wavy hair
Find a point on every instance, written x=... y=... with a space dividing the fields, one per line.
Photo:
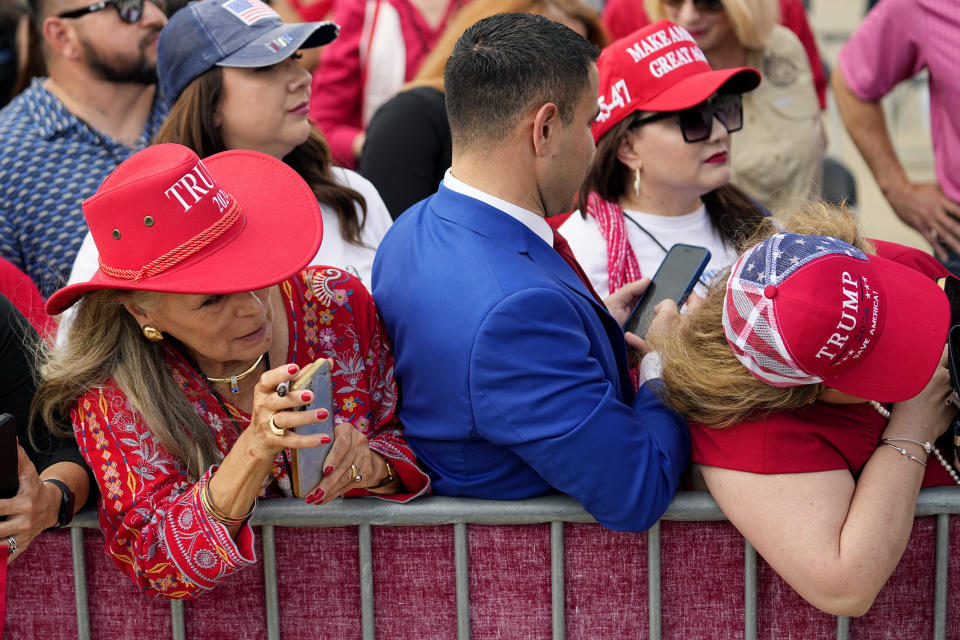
x=503 y=65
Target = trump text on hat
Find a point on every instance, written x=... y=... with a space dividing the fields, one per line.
x=187 y=188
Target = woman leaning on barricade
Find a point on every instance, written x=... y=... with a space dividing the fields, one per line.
x=814 y=382
x=171 y=368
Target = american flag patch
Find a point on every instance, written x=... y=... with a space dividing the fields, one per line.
x=749 y=320
x=249 y=11
x=279 y=43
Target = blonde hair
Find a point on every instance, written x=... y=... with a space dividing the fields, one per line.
x=752 y=21
x=105 y=342
x=430 y=73
x=702 y=378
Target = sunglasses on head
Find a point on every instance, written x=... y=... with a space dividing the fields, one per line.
x=130 y=11
x=704 y=6
x=696 y=123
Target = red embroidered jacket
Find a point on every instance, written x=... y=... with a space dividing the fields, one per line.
x=156 y=530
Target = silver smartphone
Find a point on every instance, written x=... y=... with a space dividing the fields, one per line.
x=308 y=463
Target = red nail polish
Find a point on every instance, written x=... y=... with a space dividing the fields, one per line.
x=322 y=414
x=325 y=440
x=327 y=471
x=305 y=396
x=315 y=497
x=293 y=369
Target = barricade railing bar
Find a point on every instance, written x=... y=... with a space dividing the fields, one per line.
x=459 y=512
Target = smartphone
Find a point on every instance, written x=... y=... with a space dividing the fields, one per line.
x=9 y=471
x=308 y=463
x=674 y=280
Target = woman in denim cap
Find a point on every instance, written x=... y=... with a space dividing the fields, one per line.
x=234 y=82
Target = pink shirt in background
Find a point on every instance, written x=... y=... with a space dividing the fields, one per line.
x=894 y=42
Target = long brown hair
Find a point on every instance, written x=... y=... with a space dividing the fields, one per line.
x=105 y=342
x=731 y=211
x=430 y=73
x=702 y=378
x=191 y=123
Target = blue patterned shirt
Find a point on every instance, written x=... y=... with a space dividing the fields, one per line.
x=50 y=161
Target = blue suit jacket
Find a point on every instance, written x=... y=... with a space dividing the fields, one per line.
x=513 y=379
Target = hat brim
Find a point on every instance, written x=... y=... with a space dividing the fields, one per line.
x=692 y=91
x=260 y=53
x=911 y=340
x=281 y=233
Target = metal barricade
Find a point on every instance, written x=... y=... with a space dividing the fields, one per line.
x=459 y=512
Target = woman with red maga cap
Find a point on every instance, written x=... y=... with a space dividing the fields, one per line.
x=661 y=171
x=814 y=380
x=174 y=369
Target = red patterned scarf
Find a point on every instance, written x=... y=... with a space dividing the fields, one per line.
x=622 y=265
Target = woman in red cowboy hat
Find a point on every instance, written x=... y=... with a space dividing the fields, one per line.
x=814 y=381
x=198 y=312
x=661 y=171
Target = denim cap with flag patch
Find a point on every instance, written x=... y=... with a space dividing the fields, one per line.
x=802 y=309
x=229 y=33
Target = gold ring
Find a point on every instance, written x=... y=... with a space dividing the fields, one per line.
x=277 y=431
x=355 y=473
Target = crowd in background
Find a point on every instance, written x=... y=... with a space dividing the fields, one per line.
x=198 y=201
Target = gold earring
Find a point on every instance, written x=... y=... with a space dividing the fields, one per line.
x=152 y=333
x=636 y=183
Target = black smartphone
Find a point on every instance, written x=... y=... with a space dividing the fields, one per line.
x=9 y=473
x=674 y=280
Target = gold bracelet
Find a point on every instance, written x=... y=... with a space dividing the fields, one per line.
x=390 y=476
x=206 y=500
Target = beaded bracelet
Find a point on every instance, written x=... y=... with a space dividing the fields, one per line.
x=206 y=500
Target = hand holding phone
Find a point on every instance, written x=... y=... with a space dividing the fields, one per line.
x=674 y=280
x=308 y=462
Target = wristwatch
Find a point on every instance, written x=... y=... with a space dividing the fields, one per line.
x=66 y=503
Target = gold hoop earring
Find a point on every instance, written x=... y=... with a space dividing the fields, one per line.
x=152 y=333
x=636 y=182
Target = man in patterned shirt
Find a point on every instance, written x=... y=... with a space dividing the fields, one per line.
x=65 y=133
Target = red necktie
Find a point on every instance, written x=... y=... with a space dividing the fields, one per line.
x=561 y=247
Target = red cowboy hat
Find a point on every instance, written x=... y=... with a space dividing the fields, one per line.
x=166 y=221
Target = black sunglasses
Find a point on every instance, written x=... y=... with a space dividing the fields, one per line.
x=696 y=123
x=130 y=10
x=704 y=6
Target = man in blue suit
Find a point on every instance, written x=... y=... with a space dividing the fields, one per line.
x=513 y=374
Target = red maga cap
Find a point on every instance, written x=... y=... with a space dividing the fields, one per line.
x=805 y=309
x=166 y=221
x=660 y=68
